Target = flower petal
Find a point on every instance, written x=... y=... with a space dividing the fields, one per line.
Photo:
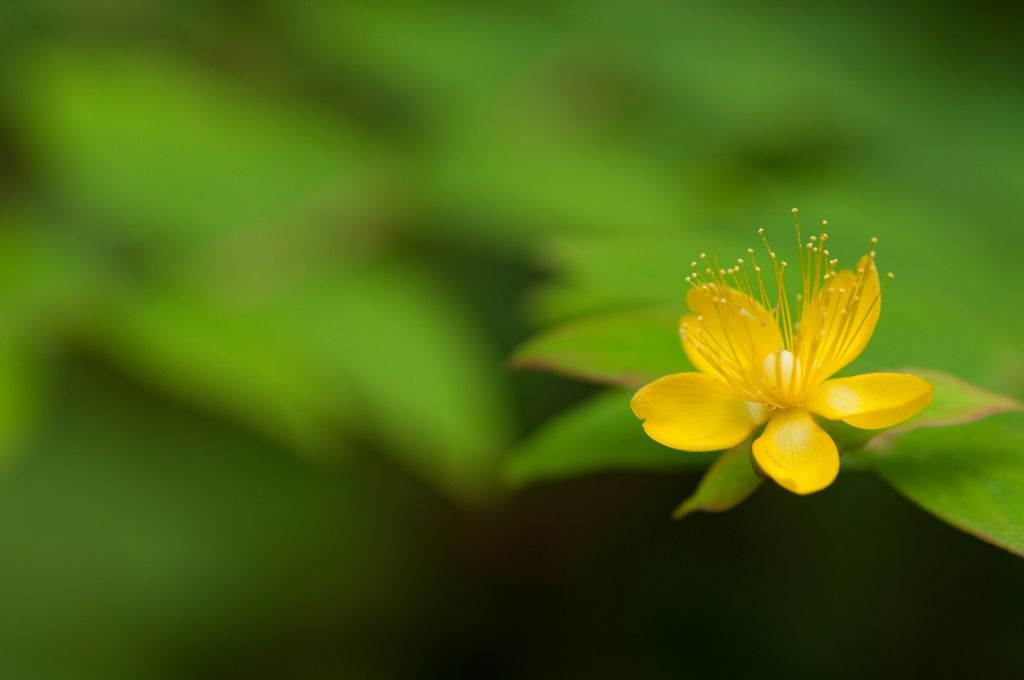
x=743 y=325
x=838 y=327
x=870 y=401
x=796 y=452
x=692 y=352
x=695 y=412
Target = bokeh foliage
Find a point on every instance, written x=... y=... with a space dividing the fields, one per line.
x=261 y=266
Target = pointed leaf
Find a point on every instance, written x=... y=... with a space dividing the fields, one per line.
x=726 y=484
x=971 y=476
x=955 y=402
x=597 y=435
x=384 y=349
x=629 y=348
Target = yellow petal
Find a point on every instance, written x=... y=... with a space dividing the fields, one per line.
x=695 y=356
x=694 y=412
x=846 y=333
x=742 y=325
x=796 y=452
x=870 y=401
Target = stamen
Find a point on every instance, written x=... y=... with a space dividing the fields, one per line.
x=777 y=366
x=888 y=280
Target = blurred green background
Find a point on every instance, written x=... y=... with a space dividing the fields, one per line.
x=262 y=264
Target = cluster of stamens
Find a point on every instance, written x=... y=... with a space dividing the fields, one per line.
x=756 y=344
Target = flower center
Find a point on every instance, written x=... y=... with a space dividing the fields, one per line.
x=764 y=349
x=782 y=376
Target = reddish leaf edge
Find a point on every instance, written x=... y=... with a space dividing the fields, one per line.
x=1002 y=404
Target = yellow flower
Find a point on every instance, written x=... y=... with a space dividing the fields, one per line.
x=769 y=362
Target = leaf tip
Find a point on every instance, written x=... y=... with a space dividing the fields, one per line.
x=684 y=509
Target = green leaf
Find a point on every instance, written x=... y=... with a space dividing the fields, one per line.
x=21 y=398
x=233 y=362
x=46 y=285
x=165 y=150
x=971 y=476
x=629 y=348
x=445 y=51
x=383 y=349
x=424 y=376
x=955 y=402
x=726 y=484
x=600 y=434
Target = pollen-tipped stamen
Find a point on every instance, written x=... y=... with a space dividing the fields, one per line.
x=779 y=369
